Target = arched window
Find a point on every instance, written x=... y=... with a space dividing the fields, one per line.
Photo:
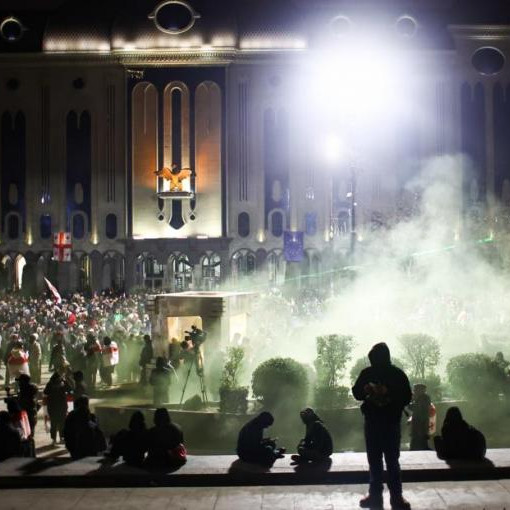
x=45 y=226
x=13 y=224
x=211 y=271
x=275 y=264
x=183 y=273
x=277 y=224
x=243 y=263
x=243 y=224
x=78 y=228
x=111 y=226
x=149 y=272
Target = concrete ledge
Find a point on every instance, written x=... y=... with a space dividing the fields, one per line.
x=227 y=470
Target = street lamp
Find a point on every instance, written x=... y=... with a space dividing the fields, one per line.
x=352 y=92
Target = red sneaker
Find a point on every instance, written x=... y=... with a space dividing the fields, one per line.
x=371 y=501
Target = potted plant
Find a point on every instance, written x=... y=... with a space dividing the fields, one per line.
x=233 y=398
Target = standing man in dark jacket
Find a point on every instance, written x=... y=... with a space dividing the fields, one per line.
x=385 y=391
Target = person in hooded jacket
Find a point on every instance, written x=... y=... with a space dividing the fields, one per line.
x=253 y=447
x=132 y=444
x=458 y=439
x=385 y=391
x=317 y=445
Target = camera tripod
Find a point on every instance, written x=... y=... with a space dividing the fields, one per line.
x=198 y=362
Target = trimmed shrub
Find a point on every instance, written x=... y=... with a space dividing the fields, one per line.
x=281 y=382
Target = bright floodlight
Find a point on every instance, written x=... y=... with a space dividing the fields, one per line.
x=333 y=149
x=355 y=82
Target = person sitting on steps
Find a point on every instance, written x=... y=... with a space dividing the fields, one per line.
x=253 y=447
x=317 y=445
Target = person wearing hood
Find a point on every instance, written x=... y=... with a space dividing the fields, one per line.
x=253 y=447
x=385 y=391
x=317 y=445
x=458 y=439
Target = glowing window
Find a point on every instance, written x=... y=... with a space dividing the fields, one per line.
x=341 y=26
x=11 y=29
x=174 y=17
x=406 y=26
x=488 y=61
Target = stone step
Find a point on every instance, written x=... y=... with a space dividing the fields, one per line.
x=227 y=470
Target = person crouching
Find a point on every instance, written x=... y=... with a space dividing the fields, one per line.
x=317 y=445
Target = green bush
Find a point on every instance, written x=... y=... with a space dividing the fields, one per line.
x=280 y=382
x=233 y=399
x=230 y=374
x=475 y=376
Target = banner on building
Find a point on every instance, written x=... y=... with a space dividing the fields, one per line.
x=62 y=246
x=293 y=246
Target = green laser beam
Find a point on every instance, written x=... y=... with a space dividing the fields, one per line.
x=351 y=267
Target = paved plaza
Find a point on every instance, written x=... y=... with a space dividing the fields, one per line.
x=488 y=495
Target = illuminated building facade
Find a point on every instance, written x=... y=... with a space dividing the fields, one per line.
x=96 y=96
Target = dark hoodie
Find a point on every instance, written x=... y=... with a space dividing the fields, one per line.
x=396 y=390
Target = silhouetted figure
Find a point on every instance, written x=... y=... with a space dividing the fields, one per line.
x=27 y=398
x=132 y=444
x=56 y=391
x=109 y=360
x=166 y=442
x=160 y=380
x=35 y=357
x=10 y=438
x=19 y=421
x=80 y=388
x=82 y=434
x=458 y=439
x=253 y=447
x=92 y=361
x=385 y=391
x=317 y=444
x=145 y=358
x=420 y=407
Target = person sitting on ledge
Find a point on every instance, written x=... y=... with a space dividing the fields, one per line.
x=317 y=445
x=10 y=438
x=165 y=442
x=458 y=439
x=83 y=437
x=131 y=444
x=253 y=447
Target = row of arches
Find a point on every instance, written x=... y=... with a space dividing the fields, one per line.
x=92 y=272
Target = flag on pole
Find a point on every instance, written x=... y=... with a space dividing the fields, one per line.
x=62 y=246
x=54 y=291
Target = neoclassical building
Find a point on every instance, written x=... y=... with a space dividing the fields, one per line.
x=98 y=95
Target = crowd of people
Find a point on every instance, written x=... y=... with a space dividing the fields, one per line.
x=108 y=336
